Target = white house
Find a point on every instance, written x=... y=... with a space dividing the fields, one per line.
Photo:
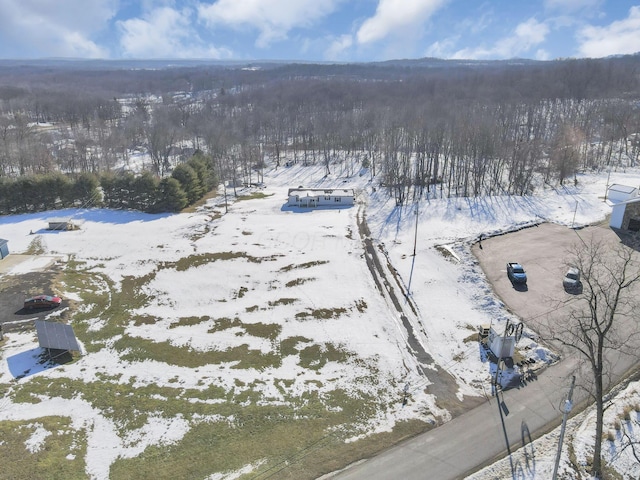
x=621 y=193
x=626 y=215
x=320 y=197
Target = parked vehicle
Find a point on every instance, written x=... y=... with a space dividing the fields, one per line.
x=42 y=301
x=571 y=281
x=516 y=273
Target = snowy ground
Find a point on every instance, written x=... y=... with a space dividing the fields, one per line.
x=313 y=260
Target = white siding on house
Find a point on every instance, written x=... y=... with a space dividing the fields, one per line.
x=625 y=215
x=617 y=215
x=320 y=197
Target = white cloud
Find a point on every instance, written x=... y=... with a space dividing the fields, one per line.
x=392 y=16
x=620 y=37
x=542 y=54
x=338 y=48
x=441 y=48
x=530 y=33
x=571 y=5
x=525 y=36
x=272 y=18
x=47 y=29
x=165 y=33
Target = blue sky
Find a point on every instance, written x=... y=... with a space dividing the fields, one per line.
x=318 y=30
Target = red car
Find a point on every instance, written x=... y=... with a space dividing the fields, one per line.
x=42 y=301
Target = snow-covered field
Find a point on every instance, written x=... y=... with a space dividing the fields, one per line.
x=212 y=280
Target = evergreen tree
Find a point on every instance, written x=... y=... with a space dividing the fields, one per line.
x=107 y=182
x=118 y=190
x=171 y=196
x=85 y=190
x=51 y=191
x=203 y=165
x=189 y=181
x=24 y=192
x=5 y=195
x=144 y=191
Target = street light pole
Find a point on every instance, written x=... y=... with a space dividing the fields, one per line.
x=565 y=408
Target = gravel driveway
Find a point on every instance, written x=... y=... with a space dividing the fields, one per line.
x=543 y=251
x=15 y=288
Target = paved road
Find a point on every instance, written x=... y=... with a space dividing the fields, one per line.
x=487 y=432
x=473 y=439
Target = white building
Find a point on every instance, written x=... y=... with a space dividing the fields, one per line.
x=321 y=197
x=621 y=193
x=626 y=215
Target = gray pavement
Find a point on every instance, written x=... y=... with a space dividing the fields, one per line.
x=543 y=251
x=475 y=438
x=506 y=422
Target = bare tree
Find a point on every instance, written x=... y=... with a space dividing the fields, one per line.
x=600 y=324
x=628 y=439
x=564 y=157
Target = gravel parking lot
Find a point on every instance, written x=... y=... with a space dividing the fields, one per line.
x=15 y=288
x=543 y=251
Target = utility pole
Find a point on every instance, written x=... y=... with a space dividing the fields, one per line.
x=565 y=408
x=413 y=262
x=226 y=205
x=415 y=237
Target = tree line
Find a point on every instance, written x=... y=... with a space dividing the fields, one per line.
x=426 y=127
x=187 y=184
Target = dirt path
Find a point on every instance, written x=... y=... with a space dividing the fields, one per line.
x=391 y=287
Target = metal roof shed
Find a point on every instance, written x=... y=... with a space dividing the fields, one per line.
x=56 y=336
x=63 y=224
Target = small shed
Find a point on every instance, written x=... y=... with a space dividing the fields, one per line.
x=626 y=215
x=4 y=248
x=63 y=224
x=617 y=193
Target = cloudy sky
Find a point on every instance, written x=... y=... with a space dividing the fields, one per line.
x=318 y=30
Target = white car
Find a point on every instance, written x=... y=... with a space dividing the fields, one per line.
x=571 y=281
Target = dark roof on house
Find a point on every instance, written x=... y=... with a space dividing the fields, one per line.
x=57 y=336
x=3 y=241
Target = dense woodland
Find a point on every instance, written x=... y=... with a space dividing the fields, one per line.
x=423 y=127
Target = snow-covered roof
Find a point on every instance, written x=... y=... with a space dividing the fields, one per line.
x=626 y=202
x=334 y=192
x=616 y=187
